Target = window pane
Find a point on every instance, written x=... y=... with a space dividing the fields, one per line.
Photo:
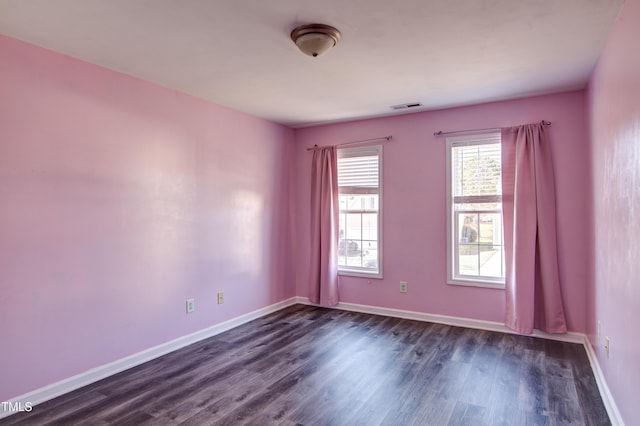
x=480 y=251
x=353 y=226
x=342 y=255
x=490 y=228
x=370 y=226
x=360 y=254
x=491 y=261
x=468 y=228
x=468 y=259
x=370 y=254
x=342 y=202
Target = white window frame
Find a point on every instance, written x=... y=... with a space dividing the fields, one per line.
x=452 y=246
x=353 y=270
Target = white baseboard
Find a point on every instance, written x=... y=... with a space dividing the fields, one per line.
x=580 y=338
x=447 y=320
x=605 y=393
x=86 y=378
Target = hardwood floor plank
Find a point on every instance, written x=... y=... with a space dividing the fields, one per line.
x=563 y=400
x=467 y=415
x=504 y=396
x=305 y=365
x=434 y=411
x=587 y=391
x=370 y=362
x=388 y=391
x=481 y=377
x=533 y=391
x=433 y=380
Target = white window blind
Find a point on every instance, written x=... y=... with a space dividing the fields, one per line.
x=476 y=173
x=358 y=172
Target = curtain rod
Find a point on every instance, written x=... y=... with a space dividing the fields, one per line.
x=440 y=133
x=387 y=138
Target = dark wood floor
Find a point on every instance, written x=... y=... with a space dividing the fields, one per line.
x=313 y=366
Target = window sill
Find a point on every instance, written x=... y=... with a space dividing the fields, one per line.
x=483 y=284
x=361 y=274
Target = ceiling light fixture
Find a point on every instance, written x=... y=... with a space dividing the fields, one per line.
x=315 y=39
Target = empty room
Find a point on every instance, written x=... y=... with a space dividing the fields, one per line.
x=292 y=213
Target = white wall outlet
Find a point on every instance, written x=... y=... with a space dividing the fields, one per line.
x=220 y=297
x=403 y=286
x=191 y=305
x=599 y=328
x=607 y=347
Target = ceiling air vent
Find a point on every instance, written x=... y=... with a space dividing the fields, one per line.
x=405 y=106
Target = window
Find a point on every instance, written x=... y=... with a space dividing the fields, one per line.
x=475 y=248
x=360 y=193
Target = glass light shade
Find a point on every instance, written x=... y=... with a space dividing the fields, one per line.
x=315 y=44
x=315 y=39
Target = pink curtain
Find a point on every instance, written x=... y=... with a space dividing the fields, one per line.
x=532 y=281
x=323 y=278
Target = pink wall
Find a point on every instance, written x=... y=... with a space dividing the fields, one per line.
x=414 y=205
x=120 y=200
x=614 y=296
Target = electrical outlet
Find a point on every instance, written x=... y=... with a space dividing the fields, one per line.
x=191 y=305
x=599 y=328
x=607 y=347
x=220 y=297
x=403 y=286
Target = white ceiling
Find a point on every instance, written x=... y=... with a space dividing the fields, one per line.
x=238 y=53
